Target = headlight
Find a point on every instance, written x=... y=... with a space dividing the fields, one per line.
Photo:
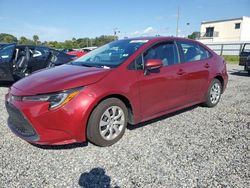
x=56 y=100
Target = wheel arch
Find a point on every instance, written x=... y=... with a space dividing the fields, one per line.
x=124 y=99
x=221 y=79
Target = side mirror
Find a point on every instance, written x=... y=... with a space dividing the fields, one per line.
x=153 y=64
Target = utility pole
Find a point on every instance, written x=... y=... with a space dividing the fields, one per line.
x=177 y=21
x=116 y=31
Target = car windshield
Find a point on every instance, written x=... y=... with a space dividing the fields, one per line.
x=2 y=46
x=6 y=52
x=110 y=55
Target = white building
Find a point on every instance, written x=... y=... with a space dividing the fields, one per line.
x=223 y=31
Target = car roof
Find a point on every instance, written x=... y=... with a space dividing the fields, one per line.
x=29 y=45
x=160 y=38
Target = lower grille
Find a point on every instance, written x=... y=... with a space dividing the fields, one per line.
x=19 y=124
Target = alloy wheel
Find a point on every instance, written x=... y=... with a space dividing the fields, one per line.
x=215 y=93
x=111 y=123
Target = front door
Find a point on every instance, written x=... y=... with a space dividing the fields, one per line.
x=162 y=89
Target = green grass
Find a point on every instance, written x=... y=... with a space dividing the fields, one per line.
x=231 y=59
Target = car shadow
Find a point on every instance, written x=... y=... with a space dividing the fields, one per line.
x=61 y=147
x=237 y=72
x=95 y=178
x=139 y=125
x=6 y=84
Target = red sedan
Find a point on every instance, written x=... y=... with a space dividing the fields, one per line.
x=77 y=53
x=130 y=80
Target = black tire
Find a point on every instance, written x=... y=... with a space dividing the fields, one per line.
x=93 y=127
x=209 y=102
x=248 y=72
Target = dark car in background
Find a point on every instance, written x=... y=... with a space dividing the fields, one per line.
x=18 y=61
x=245 y=57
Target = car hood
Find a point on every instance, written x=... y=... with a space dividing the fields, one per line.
x=57 y=79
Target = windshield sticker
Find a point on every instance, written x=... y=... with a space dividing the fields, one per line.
x=138 y=41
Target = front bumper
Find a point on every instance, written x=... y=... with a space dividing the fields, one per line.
x=35 y=123
x=19 y=124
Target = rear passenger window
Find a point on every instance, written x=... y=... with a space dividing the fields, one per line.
x=40 y=53
x=193 y=52
x=166 y=52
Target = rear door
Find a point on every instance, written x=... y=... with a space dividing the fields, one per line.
x=244 y=54
x=7 y=53
x=165 y=88
x=197 y=65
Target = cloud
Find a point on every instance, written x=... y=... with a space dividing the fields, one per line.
x=148 y=31
x=136 y=33
x=46 y=32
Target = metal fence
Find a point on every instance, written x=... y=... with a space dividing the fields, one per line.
x=227 y=48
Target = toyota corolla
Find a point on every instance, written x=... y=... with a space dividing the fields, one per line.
x=94 y=98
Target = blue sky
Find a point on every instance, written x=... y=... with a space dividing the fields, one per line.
x=64 y=19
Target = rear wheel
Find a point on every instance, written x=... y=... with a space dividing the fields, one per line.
x=248 y=72
x=213 y=94
x=107 y=122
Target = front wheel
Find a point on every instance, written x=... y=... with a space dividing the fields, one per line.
x=107 y=122
x=213 y=94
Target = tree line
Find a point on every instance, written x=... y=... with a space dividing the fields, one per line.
x=67 y=44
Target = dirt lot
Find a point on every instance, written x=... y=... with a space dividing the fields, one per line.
x=196 y=147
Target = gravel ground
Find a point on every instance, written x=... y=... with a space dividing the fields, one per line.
x=196 y=147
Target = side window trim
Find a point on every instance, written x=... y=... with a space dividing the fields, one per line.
x=180 y=51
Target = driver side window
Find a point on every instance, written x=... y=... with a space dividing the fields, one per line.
x=166 y=52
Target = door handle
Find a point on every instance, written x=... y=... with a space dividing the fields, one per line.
x=207 y=65
x=180 y=72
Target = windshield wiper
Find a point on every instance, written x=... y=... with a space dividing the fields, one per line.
x=86 y=65
x=91 y=65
